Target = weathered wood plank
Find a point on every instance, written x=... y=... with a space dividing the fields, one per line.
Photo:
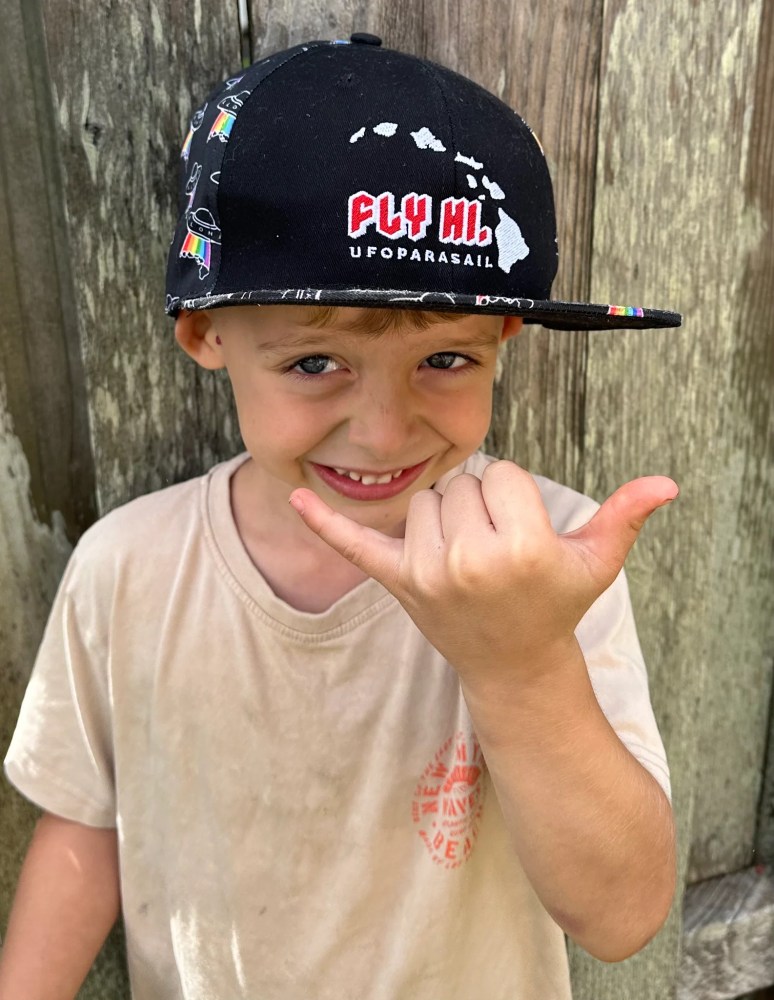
x=741 y=596
x=121 y=117
x=674 y=131
x=38 y=332
x=728 y=935
x=44 y=453
x=755 y=379
x=278 y=24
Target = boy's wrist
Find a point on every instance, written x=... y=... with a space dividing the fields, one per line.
x=545 y=687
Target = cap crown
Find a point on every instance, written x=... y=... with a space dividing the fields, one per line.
x=338 y=166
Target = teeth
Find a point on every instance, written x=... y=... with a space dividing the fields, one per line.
x=366 y=479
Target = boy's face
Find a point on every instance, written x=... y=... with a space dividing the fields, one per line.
x=409 y=404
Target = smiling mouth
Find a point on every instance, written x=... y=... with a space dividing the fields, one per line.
x=360 y=485
x=369 y=478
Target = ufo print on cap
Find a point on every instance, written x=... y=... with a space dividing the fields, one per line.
x=202 y=233
x=228 y=107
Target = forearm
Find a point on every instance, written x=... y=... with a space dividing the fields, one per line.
x=592 y=828
x=66 y=902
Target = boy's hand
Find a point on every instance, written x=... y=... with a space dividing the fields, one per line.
x=499 y=594
x=481 y=571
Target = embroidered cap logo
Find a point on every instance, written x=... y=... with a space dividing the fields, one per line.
x=458 y=222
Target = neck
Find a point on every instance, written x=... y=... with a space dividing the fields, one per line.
x=299 y=566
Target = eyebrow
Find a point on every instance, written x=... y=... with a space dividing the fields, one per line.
x=320 y=341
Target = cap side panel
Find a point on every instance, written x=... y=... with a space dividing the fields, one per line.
x=193 y=264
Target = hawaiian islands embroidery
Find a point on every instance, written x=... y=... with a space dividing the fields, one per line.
x=459 y=220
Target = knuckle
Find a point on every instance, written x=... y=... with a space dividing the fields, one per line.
x=502 y=467
x=525 y=555
x=421 y=499
x=426 y=583
x=466 y=567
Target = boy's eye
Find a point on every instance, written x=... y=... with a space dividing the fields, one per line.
x=315 y=364
x=447 y=360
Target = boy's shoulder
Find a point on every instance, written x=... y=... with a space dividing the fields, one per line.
x=567 y=508
x=152 y=525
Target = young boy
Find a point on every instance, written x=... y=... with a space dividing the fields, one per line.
x=391 y=738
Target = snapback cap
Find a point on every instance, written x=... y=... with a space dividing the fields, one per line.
x=343 y=173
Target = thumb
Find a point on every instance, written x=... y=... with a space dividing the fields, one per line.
x=368 y=549
x=613 y=530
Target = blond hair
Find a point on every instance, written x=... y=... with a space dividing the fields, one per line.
x=379 y=321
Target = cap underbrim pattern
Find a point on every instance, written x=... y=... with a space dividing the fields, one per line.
x=550 y=313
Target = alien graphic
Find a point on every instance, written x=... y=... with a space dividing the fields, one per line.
x=196 y=122
x=190 y=185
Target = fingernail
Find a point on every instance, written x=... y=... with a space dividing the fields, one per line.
x=296 y=504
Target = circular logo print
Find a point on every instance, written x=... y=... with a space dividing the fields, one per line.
x=449 y=799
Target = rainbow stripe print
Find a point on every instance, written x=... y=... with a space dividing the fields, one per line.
x=222 y=126
x=187 y=144
x=197 y=247
x=624 y=311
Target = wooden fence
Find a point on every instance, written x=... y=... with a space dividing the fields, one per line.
x=658 y=122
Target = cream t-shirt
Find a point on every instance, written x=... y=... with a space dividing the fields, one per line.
x=301 y=803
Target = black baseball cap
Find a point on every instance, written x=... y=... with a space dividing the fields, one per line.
x=343 y=173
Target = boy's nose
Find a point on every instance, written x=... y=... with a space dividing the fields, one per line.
x=384 y=426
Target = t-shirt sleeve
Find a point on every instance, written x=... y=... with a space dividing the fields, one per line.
x=608 y=637
x=61 y=755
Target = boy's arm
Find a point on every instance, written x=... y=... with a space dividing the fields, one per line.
x=592 y=827
x=500 y=594
x=66 y=902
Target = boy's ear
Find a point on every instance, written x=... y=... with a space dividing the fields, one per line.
x=511 y=327
x=195 y=333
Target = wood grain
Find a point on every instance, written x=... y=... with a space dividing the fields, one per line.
x=741 y=599
x=121 y=118
x=46 y=490
x=696 y=404
x=39 y=347
x=753 y=380
x=674 y=227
